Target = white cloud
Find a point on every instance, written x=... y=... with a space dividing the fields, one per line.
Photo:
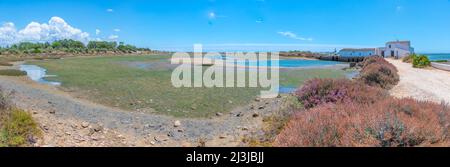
x=110 y=10
x=212 y=15
x=113 y=37
x=55 y=29
x=116 y=30
x=97 y=32
x=8 y=33
x=293 y=36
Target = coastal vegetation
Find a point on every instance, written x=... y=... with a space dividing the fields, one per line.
x=378 y=72
x=68 y=46
x=143 y=83
x=17 y=127
x=358 y=113
x=12 y=72
x=418 y=61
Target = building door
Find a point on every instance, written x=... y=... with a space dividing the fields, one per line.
x=392 y=53
x=382 y=53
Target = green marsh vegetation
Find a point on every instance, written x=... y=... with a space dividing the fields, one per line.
x=114 y=82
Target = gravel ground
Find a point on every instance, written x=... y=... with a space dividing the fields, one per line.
x=423 y=84
x=65 y=114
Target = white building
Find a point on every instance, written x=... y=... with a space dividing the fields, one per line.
x=395 y=49
x=364 y=52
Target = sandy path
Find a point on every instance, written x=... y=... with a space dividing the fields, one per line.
x=423 y=84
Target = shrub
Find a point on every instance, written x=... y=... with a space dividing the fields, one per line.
x=381 y=75
x=17 y=127
x=376 y=71
x=409 y=58
x=421 y=61
x=387 y=123
x=320 y=91
x=12 y=72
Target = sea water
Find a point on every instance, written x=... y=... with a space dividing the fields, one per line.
x=38 y=74
x=434 y=57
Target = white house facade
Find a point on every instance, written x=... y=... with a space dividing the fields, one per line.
x=395 y=49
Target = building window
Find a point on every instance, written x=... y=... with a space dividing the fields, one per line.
x=390 y=46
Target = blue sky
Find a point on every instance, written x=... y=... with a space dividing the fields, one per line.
x=317 y=25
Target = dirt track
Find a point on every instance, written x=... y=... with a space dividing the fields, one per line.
x=423 y=84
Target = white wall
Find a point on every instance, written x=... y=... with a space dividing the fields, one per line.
x=357 y=53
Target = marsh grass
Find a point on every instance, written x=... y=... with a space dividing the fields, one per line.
x=12 y=72
x=4 y=63
x=107 y=80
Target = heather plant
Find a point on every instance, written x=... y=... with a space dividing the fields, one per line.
x=386 y=123
x=378 y=72
x=321 y=91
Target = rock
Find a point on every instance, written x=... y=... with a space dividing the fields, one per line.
x=193 y=108
x=258 y=99
x=219 y=114
x=244 y=128
x=52 y=111
x=152 y=143
x=180 y=130
x=239 y=114
x=35 y=112
x=97 y=127
x=177 y=123
x=279 y=96
x=261 y=107
x=68 y=133
x=255 y=115
x=85 y=124
x=222 y=137
x=229 y=101
x=252 y=107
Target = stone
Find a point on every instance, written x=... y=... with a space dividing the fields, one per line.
x=261 y=107
x=219 y=114
x=177 y=123
x=52 y=111
x=222 y=137
x=258 y=99
x=239 y=114
x=229 y=101
x=85 y=124
x=180 y=130
x=152 y=143
x=255 y=115
x=97 y=127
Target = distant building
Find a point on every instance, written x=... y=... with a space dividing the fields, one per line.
x=364 y=52
x=395 y=49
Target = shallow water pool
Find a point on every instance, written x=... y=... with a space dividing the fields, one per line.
x=38 y=74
